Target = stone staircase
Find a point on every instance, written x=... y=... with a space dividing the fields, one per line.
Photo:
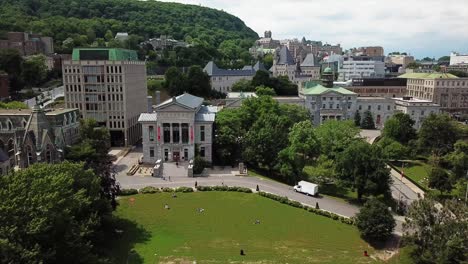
x=171 y=169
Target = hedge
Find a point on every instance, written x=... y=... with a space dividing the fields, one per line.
x=149 y=189
x=184 y=189
x=223 y=188
x=285 y=200
x=124 y=192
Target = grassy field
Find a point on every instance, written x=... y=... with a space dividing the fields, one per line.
x=418 y=171
x=152 y=234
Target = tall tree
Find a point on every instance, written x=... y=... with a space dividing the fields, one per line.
x=439 y=179
x=458 y=160
x=367 y=121
x=438 y=133
x=229 y=136
x=261 y=78
x=51 y=214
x=357 y=119
x=335 y=136
x=374 y=221
x=175 y=81
x=303 y=146
x=34 y=70
x=362 y=166
x=93 y=150
x=198 y=82
x=400 y=128
x=437 y=232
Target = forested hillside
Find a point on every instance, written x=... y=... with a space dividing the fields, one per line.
x=92 y=22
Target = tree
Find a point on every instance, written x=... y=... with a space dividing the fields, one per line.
x=460 y=74
x=413 y=65
x=51 y=213
x=260 y=78
x=175 y=81
x=228 y=137
x=374 y=221
x=437 y=232
x=357 y=119
x=362 y=166
x=303 y=146
x=400 y=128
x=444 y=58
x=198 y=82
x=243 y=85
x=367 y=121
x=439 y=179
x=34 y=70
x=93 y=150
x=458 y=160
x=392 y=150
x=335 y=136
x=262 y=90
x=438 y=133
x=12 y=63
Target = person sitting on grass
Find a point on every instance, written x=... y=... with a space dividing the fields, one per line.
x=257 y=222
x=166 y=206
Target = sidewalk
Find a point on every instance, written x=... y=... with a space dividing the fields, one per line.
x=407 y=182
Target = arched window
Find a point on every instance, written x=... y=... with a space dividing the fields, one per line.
x=9 y=125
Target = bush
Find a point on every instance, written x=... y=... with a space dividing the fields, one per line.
x=223 y=188
x=124 y=192
x=184 y=189
x=199 y=164
x=374 y=221
x=149 y=189
x=167 y=189
x=285 y=200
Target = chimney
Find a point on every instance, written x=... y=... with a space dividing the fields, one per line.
x=150 y=104
x=157 y=96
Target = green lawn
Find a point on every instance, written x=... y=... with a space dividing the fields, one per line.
x=183 y=235
x=418 y=171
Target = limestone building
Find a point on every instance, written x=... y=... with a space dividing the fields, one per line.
x=417 y=109
x=222 y=80
x=108 y=85
x=176 y=127
x=29 y=136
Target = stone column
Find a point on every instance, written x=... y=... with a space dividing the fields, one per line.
x=180 y=133
x=170 y=134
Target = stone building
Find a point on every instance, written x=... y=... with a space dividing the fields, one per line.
x=446 y=90
x=381 y=108
x=27 y=43
x=176 y=127
x=222 y=80
x=28 y=136
x=368 y=51
x=108 y=85
x=417 y=109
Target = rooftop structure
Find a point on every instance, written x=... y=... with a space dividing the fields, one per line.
x=107 y=54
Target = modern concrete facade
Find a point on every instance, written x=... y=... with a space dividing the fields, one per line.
x=222 y=80
x=359 y=69
x=417 y=109
x=108 y=85
x=457 y=58
x=176 y=127
x=446 y=90
x=402 y=60
x=28 y=136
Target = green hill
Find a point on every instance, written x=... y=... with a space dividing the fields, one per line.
x=92 y=22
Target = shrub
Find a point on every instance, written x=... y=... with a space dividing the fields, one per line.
x=199 y=164
x=149 y=189
x=167 y=189
x=223 y=188
x=374 y=221
x=124 y=192
x=184 y=189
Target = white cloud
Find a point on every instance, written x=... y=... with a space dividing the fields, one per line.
x=422 y=27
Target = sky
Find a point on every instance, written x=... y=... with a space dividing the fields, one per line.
x=431 y=28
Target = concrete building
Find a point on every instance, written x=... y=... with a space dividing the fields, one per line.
x=4 y=85
x=222 y=80
x=402 y=60
x=417 y=109
x=381 y=108
x=361 y=68
x=121 y=36
x=175 y=127
x=457 y=58
x=378 y=87
x=331 y=49
x=446 y=90
x=108 y=85
x=29 y=136
x=27 y=43
x=458 y=67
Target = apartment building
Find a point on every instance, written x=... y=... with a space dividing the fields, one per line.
x=446 y=90
x=108 y=85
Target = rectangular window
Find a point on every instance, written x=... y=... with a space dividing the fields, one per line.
x=324 y=99
x=422 y=112
x=388 y=107
x=151 y=133
x=378 y=107
x=151 y=152
x=167 y=133
x=202 y=152
x=185 y=133
x=369 y=107
x=360 y=107
x=202 y=133
x=323 y=106
x=175 y=133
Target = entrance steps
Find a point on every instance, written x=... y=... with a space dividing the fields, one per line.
x=171 y=169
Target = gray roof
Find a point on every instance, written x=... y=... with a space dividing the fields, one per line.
x=184 y=99
x=259 y=66
x=148 y=117
x=212 y=70
x=309 y=61
x=285 y=57
x=206 y=114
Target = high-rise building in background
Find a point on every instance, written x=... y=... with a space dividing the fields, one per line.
x=108 y=85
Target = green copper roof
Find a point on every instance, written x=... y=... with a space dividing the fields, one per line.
x=111 y=54
x=312 y=88
x=435 y=75
x=328 y=70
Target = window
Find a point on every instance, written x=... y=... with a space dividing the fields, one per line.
x=202 y=152
x=202 y=134
x=388 y=107
x=167 y=133
x=337 y=106
x=360 y=107
x=151 y=152
x=185 y=133
x=175 y=133
x=323 y=106
x=324 y=98
x=412 y=112
x=151 y=133
x=422 y=112
x=369 y=107
x=378 y=107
